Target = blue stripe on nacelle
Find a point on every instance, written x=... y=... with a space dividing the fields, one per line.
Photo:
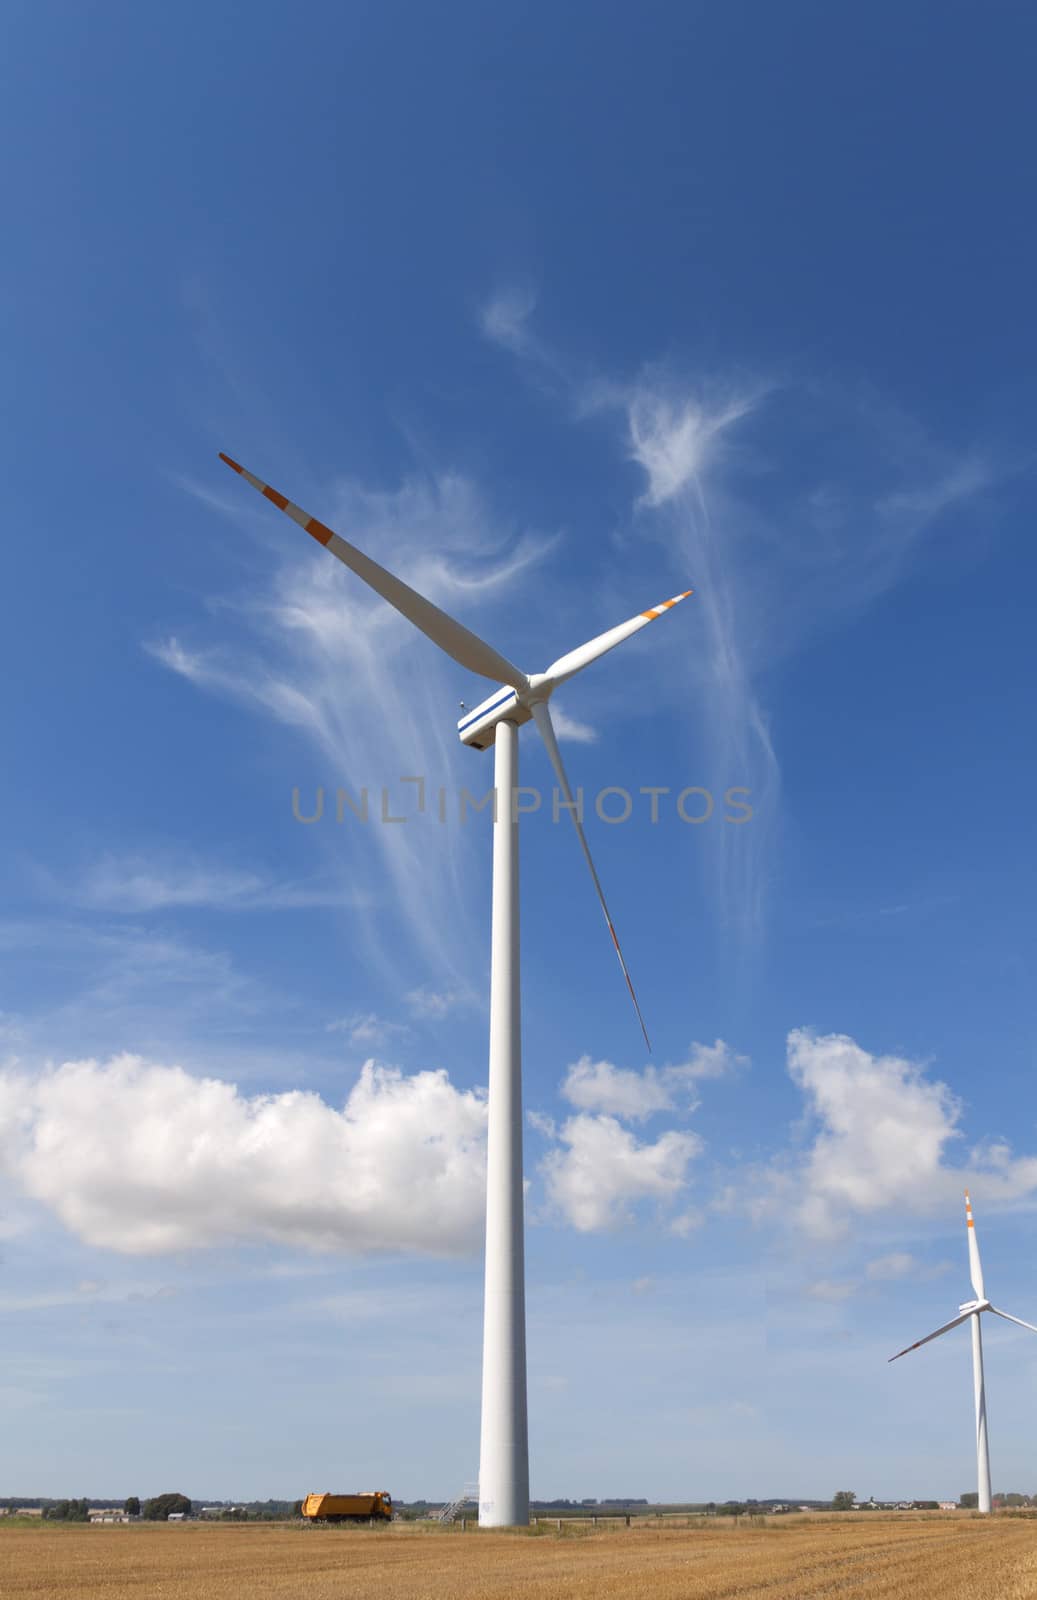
x=485 y=710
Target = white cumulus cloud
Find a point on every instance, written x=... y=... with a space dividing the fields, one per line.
x=884 y=1134
x=601 y=1170
x=143 y=1158
x=884 y=1127
x=601 y=1086
x=617 y=1091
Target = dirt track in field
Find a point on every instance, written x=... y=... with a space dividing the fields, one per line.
x=875 y=1557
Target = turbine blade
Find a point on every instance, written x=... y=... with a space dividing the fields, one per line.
x=542 y=717
x=975 y=1267
x=584 y=654
x=945 y=1329
x=465 y=647
x=1009 y=1318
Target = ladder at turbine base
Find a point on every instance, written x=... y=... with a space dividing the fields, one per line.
x=469 y=1496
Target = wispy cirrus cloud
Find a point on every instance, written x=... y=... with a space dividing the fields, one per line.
x=367 y=1028
x=889 y=1269
x=777 y=546
x=432 y=1005
x=312 y=649
x=679 y=435
x=675 y=438
x=215 y=670
x=145 y=883
x=831 y=1290
x=898 y=1264
x=504 y=318
x=147 y=985
x=116 y=980
x=570 y=729
x=678 y=440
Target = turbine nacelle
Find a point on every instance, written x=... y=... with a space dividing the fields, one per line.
x=975 y=1305
x=478 y=727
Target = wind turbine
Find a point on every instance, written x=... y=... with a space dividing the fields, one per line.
x=971 y=1311
x=518 y=698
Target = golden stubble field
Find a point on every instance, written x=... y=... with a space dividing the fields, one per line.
x=880 y=1558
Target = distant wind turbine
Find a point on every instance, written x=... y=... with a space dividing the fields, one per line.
x=971 y=1311
x=504 y=1458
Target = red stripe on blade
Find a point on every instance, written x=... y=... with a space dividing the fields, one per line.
x=322 y=534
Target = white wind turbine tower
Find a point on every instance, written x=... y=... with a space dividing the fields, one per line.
x=971 y=1312
x=504 y=1453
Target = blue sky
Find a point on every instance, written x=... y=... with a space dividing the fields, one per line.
x=555 y=313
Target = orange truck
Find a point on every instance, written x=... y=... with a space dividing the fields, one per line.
x=373 y=1507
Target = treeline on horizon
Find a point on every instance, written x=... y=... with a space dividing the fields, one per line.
x=156 y=1509
x=159 y=1507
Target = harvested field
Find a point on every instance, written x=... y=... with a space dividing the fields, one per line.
x=952 y=1558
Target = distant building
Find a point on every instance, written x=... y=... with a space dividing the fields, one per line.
x=176 y=1516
